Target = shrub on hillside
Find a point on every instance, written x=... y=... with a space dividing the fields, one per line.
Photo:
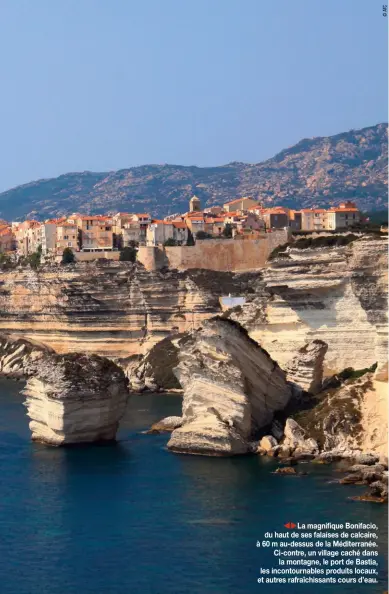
x=313 y=242
x=227 y=231
x=67 y=256
x=127 y=254
x=6 y=262
x=170 y=242
x=324 y=241
x=203 y=235
x=190 y=241
x=34 y=259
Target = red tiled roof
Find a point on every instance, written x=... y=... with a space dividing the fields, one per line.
x=343 y=210
x=238 y=200
x=179 y=224
x=94 y=218
x=194 y=213
x=275 y=211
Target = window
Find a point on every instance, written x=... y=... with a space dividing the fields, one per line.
x=65 y=236
x=69 y=244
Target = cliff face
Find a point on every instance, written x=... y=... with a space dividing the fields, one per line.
x=231 y=388
x=351 y=417
x=71 y=398
x=113 y=310
x=337 y=295
x=314 y=172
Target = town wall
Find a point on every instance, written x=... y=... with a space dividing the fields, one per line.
x=89 y=256
x=214 y=254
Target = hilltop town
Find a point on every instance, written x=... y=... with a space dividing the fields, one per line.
x=88 y=237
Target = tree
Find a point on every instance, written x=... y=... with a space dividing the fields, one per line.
x=34 y=259
x=190 y=240
x=127 y=254
x=227 y=231
x=203 y=235
x=5 y=261
x=170 y=242
x=68 y=256
x=117 y=241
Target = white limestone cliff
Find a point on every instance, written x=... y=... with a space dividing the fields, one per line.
x=231 y=387
x=337 y=295
x=71 y=398
x=305 y=370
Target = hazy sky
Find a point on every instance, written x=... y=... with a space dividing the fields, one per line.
x=107 y=84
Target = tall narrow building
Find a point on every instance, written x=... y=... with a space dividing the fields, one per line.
x=194 y=204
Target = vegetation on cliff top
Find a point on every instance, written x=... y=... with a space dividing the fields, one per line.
x=68 y=256
x=313 y=242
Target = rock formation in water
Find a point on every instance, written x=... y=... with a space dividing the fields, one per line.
x=166 y=425
x=231 y=388
x=71 y=398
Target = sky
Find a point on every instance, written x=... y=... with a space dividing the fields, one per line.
x=107 y=84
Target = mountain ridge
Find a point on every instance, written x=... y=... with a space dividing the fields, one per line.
x=315 y=172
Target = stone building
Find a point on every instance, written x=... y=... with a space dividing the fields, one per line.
x=67 y=237
x=194 y=204
x=25 y=237
x=47 y=237
x=276 y=218
x=160 y=231
x=345 y=215
x=195 y=224
x=96 y=233
x=239 y=204
x=7 y=238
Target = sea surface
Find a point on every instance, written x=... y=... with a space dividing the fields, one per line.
x=133 y=518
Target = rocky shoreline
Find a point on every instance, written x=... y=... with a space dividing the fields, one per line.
x=254 y=380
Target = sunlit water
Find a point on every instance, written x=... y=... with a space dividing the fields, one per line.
x=134 y=518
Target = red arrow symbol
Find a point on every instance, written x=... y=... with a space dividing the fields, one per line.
x=290 y=525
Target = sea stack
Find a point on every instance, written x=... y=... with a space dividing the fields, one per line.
x=75 y=398
x=72 y=398
x=231 y=387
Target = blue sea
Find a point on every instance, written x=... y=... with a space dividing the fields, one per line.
x=133 y=518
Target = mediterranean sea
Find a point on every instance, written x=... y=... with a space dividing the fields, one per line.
x=131 y=518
